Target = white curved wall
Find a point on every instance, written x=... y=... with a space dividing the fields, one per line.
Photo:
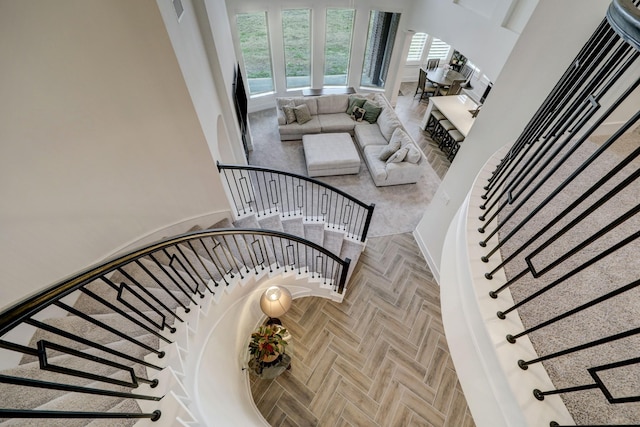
x=99 y=140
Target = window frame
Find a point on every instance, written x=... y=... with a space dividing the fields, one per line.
x=284 y=47
x=348 y=64
x=408 y=59
x=251 y=94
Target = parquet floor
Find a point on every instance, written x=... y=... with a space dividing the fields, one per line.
x=379 y=358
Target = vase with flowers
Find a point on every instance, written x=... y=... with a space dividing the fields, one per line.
x=267 y=348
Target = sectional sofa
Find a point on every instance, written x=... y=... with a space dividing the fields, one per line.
x=390 y=154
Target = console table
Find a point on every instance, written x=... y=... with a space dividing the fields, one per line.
x=328 y=91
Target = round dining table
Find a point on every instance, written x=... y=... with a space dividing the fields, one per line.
x=443 y=77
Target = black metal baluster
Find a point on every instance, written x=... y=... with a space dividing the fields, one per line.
x=175 y=282
x=124 y=314
x=108 y=328
x=162 y=286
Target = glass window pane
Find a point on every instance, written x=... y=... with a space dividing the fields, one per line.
x=416 y=47
x=296 y=31
x=438 y=50
x=377 y=55
x=337 y=48
x=254 y=44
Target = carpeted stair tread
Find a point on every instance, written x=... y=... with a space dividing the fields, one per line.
x=351 y=249
x=88 y=305
x=271 y=222
x=122 y=346
x=293 y=225
x=314 y=232
x=222 y=261
x=87 y=330
x=201 y=259
x=332 y=240
x=128 y=406
x=69 y=402
x=191 y=268
x=23 y=397
x=223 y=223
x=143 y=278
x=249 y=221
x=193 y=274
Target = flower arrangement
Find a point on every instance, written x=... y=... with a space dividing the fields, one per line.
x=267 y=342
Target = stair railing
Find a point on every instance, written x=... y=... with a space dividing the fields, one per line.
x=264 y=191
x=149 y=290
x=561 y=215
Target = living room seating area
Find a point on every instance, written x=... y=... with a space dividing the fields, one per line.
x=389 y=152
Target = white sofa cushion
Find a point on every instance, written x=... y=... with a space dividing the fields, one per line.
x=312 y=126
x=336 y=122
x=413 y=155
x=398 y=156
x=330 y=104
x=388 y=122
x=377 y=168
x=384 y=174
x=369 y=134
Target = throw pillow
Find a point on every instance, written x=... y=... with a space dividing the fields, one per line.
x=387 y=123
x=398 y=156
x=354 y=101
x=289 y=113
x=400 y=136
x=372 y=111
x=302 y=114
x=413 y=155
x=387 y=151
x=358 y=114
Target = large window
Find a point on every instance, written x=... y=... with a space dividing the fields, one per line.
x=377 y=57
x=296 y=33
x=416 y=47
x=337 y=48
x=438 y=50
x=254 y=44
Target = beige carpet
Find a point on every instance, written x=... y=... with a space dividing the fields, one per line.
x=399 y=208
x=616 y=315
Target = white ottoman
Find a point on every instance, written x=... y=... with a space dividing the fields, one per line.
x=330 y=154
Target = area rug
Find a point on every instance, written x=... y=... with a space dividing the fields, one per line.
x=398 y=209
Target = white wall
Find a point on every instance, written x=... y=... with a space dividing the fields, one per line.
x=554 y=35
x=208 y=70
x=485 y=31
x=99 y=140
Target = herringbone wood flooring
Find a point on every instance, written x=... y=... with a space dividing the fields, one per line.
x=379 y=358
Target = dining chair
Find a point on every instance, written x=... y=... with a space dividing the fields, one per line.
x=454 y=89
x=433 y=63
x=424 y=87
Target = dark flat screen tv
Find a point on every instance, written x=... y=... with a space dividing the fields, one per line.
x=241 y=105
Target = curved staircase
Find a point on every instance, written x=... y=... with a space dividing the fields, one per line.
x=131 y=340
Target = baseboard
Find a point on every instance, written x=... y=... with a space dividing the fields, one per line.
x=433 y=266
